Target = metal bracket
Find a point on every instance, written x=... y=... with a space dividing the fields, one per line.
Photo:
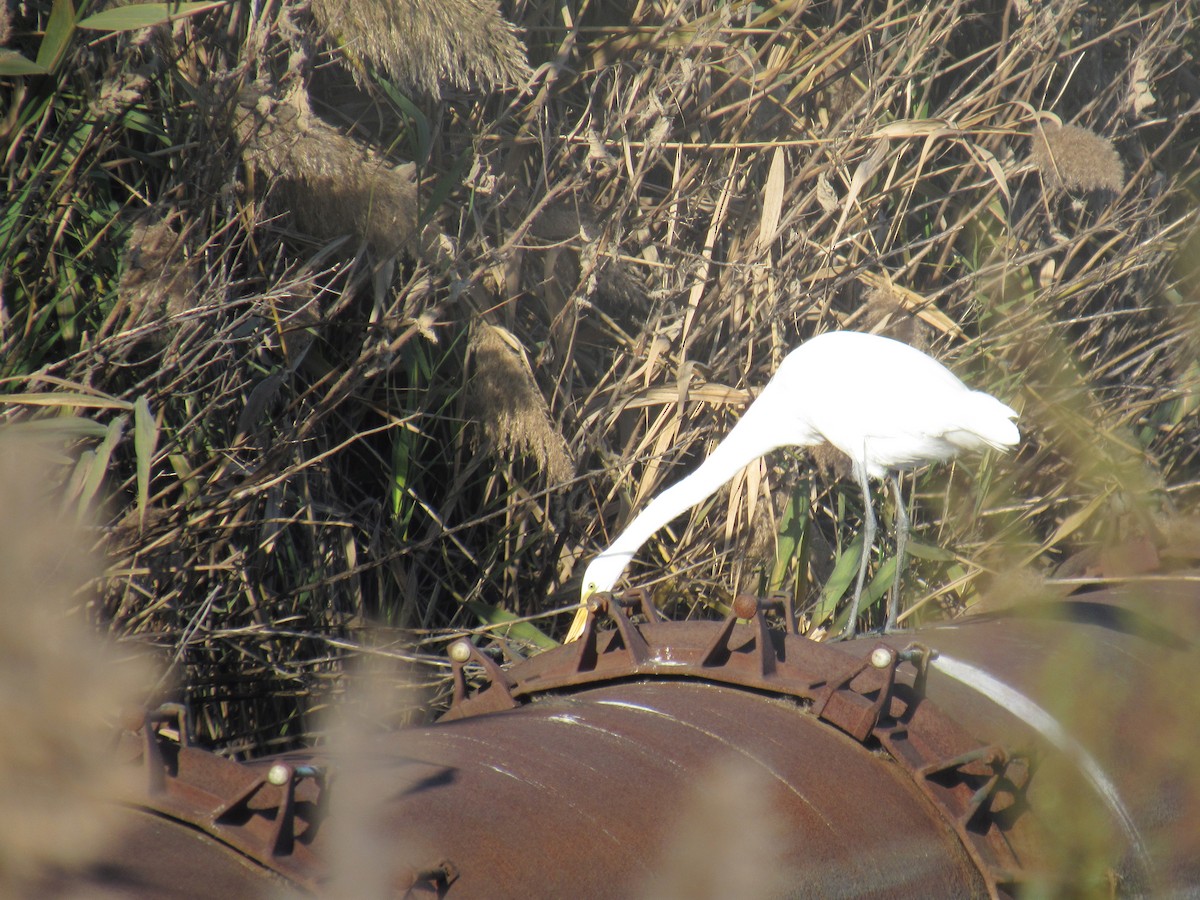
x=865 y=693
x=762 y=648
x=628 y=637
x=266 y=814
x=971 y=783
x=154 y=756
x=438 y=876
x=785 y=601
x=841 y=705
x=495 y=697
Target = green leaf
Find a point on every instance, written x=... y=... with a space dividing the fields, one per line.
x=928 y=552
x=95 y=465
x=13 y=63
x=403 y=449
x=59 y=29
x=144 y=15
x=75 y=486
x=183 y=471
x=841 y=582
x=145 y=440
x=65 y=427
x=873 y=591
x=956 y=574
x=446 y=185
x=792 y=541
x=412 y=112
x=406 y=446
x=522 y=631
x=65 y=398
x=845 y=571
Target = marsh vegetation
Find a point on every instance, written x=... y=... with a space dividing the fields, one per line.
x=357 y=326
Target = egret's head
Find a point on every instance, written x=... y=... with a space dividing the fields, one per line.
x=602 y=573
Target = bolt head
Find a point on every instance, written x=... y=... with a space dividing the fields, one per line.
x=460 y=650
x=882 y=657
x=279 y=774
x=745 y=606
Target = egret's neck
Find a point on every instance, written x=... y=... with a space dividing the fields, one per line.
x=758 y=432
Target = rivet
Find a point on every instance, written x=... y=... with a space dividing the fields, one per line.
x=882 y=657
x=460 y=650
x=279 y=774
x=745 y=606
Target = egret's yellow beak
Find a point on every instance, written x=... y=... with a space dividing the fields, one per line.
x=575 y=632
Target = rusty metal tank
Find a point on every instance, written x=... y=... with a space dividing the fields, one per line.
x=1049 y=749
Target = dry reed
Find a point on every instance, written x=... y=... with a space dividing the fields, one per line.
x=1075 y=158
x=506 y=400
x=680 y=198
x=422 y=45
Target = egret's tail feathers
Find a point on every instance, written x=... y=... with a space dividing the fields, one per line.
x=987 y=421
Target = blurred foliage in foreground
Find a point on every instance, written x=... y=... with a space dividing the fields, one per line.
x=361 y=324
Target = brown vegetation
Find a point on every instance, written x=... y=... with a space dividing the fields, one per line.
x=271 y=286
x=1075 y=158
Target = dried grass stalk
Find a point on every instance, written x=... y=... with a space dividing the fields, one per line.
x=762 y=543
x=422 y=44
x=601 y=202
x=1075 y=158
x=505 y=400
x=331 y=184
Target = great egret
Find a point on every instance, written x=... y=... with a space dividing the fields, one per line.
x=884 y=404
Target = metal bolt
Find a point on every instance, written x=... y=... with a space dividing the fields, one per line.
x=279 y=774
x=882 y=657
x=460 y=650
x=745 y=606
x=917 y=654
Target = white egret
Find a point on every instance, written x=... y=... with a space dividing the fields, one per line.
x=886 y=405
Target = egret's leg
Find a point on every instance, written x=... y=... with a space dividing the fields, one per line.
x=868 y=543
x=902 y=526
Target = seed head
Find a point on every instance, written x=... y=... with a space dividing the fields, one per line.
x=506 y=401
x=1075 y=158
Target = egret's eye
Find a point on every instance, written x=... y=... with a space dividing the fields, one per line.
x=591 y=587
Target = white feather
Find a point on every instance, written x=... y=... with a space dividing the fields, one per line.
x=886 y=405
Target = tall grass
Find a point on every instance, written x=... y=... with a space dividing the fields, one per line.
x=64 y=692
x=356 y=347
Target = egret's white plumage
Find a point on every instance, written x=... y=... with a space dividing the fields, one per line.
x=884 y=404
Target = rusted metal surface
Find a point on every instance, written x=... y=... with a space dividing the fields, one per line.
x=1122 y=686
x=581 y=795
x=1101 y=666
x=159 y=857
x=838 y=679
x=855 y=686
x=572 y=773
x=268 y=811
